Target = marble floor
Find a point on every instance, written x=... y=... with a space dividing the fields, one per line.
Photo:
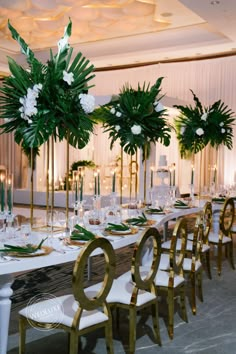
x=211 y=331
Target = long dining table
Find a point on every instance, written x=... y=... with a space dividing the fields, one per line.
x=11 y=266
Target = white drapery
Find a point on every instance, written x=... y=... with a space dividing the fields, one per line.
x=210 y=80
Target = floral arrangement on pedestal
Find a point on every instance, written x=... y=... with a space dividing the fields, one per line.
x=136 y=118
x=199 y=126
x=49 y=99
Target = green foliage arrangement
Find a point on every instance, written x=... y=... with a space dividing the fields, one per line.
x=136 y=118
x=82 y=163
x=49 y=99
x=199 y=126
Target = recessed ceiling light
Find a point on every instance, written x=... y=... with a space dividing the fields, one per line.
x=215 y=2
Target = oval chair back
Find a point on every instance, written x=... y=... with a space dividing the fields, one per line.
x=206 y=221
x=227 y=217
x=79 y=292
x=151 y=234
x=177 y=256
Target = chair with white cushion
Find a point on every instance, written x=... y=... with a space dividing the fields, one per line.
x=135 y=289
x=192 y=265
x=77 y=313
x=170 y=277
x=224 y=237
x=207 y=224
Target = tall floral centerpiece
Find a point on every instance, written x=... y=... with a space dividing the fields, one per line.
x=197 y=126
x=48 y=100
x=136 y=118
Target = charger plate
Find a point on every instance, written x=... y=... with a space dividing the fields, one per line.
x=131 y=231
x=43 y=251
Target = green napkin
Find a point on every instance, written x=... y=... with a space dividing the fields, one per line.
x=117 y=227
x=29 y=248
x=140 y=220
x=81 y=234
x=180 y=203
x=155 y=210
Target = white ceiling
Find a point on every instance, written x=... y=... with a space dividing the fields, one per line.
x=121 y=32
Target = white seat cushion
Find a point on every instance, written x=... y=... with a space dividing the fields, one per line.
x=187 y=265
x=205 y=248
x=215 y=238
x=121 y=291
x=166 y=245
x=162 y=279
x=61 y=310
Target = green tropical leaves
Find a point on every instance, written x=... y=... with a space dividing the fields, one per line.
x=58 y=108
x=199 y=126
x=132 y=119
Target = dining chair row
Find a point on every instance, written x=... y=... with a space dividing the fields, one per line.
x=163 y=274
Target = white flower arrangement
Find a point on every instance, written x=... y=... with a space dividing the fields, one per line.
x=87 y=102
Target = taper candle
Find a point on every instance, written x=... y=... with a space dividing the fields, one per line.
x=114 y=182
x=95 y=183
x=151 y=177
x=192 y=175
x=98 y=182
x=2 y=193
x=81 y=187
x=9 y=196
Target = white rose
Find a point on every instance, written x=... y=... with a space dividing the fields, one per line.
x=68 y=77
x=117 y=128
x=221 y=124
x=204 y=116
x=136 y=129
x=182 y=130
x=112 y=110
x=222 y=130
x=159 y=107
x=199 y=131
x=87 y=102
x=118 y=114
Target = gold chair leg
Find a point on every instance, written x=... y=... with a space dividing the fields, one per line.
x=183 y=303
x=155 y=320
x=170 y=299
x=108 y=334
x=22 y=335
x=132 y=329
x=193 y=292
x=208 y=264
x=74 y=340
x=219 y=258
x=199 y=285
x=231 y=254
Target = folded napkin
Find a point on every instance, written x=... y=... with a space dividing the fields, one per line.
x=180 y=203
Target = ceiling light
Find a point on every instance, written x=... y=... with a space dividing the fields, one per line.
x=215 y=2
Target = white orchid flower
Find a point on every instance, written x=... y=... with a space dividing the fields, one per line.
x=87 y=102
x=182 y=130
x=222 y=130
x=221 y=124
x=68 y=77
x=117 y=128
x=136 y=129
x=112 y=110
x=199 y=131
x=118 y=114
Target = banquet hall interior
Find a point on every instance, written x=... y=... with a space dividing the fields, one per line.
x=191 y=46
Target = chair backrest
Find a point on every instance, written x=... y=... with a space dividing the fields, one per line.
x=177 y=256
x=198 y=235
x=149 y=235
x=206 y=221
x=227 y=217
x=79 y=270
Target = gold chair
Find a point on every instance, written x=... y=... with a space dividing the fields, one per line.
x=192 y=265
x=224 y=237
x=77 y=313
x=135 y=289
x=170 y=277
x=207 y=224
